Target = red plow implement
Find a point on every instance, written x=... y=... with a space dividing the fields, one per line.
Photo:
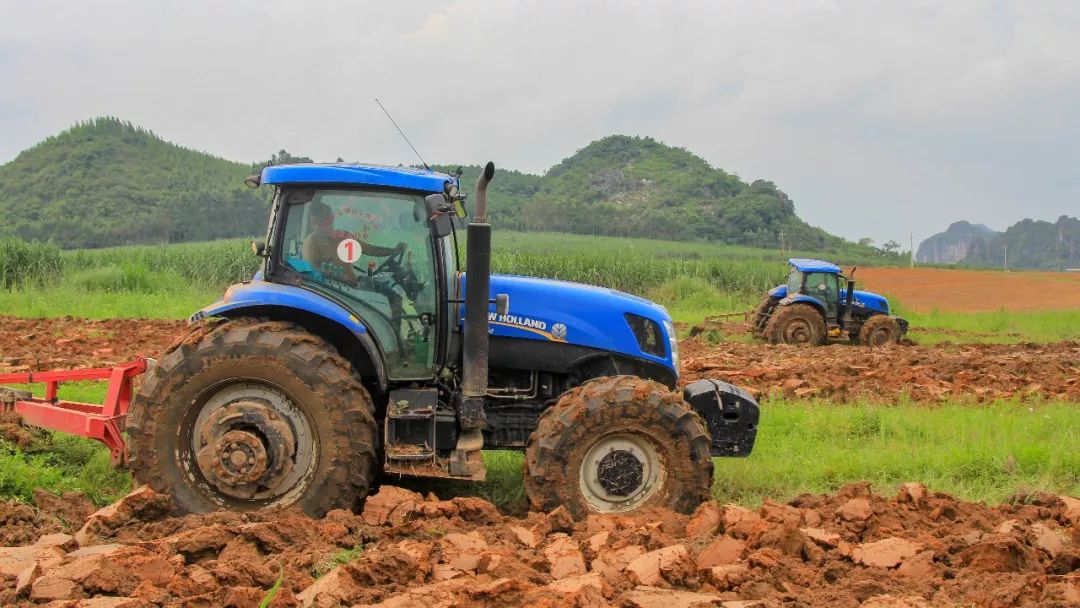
x=101 y=422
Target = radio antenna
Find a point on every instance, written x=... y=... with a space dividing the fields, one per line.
x=394 y=122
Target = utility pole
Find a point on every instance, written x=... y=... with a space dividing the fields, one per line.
x=1006 y=257
x=782 y=239
x=911 y=247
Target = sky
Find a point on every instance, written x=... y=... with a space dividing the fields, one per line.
x=879 y=119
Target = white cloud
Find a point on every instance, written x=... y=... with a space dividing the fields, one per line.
x=878 y=118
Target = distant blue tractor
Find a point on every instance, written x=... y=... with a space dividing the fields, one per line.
x=818 y=304
x=359 y=348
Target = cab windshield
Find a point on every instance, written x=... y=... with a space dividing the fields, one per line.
x=370 y=250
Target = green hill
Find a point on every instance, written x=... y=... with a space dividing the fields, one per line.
x=637 y=186
x=108 y=182
x=1031 y=244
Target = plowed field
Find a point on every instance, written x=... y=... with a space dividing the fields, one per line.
x=974 y=372
x=852 y=548
x=926 y=289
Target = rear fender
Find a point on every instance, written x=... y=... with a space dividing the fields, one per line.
x=730 y=414
x=314 y=313
x=798 y=298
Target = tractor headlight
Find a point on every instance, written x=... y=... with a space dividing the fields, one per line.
x=674 y=343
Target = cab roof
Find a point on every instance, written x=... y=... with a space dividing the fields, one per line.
x=809 y=265
x=408 y=178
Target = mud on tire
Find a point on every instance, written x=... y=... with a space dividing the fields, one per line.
x=796 y=324
x=222 y=376
x=760 y=318
x=584 y=444
x=879 y=330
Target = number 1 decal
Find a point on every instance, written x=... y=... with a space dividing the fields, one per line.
x=348 y=251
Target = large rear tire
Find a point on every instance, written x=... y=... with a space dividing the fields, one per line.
x=247 y=414
x=879 y=330
x=796 y=324
x=617 y=445
x=760 y=320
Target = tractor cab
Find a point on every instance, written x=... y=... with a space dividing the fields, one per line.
x=820 y=304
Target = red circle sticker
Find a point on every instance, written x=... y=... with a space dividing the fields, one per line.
x=349 y=250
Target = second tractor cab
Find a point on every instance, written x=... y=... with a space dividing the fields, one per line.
x=819 y=304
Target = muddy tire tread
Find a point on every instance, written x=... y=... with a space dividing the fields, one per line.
x=875 y=323
x=314 y=362
x=551 y=480
x=760 y=318
x=775 y=330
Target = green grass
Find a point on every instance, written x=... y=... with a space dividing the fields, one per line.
x=60 y=462
x=64 y=300
x=693 y=280
x=1000 y=326
x=984 y=453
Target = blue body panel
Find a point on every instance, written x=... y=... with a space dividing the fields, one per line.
x=262 y=293
x=584 y=315
x=360 y=175
x=861 y=299
x=809 y=265
x=540 y=309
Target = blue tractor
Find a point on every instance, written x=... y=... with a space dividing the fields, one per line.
x=819 y=304
x=361 y=349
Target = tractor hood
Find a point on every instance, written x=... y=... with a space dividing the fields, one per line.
x=583 y=315
x=862 y=299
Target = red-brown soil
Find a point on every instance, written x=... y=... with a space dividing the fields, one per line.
x=851 y=548
x=975 y=372
x=967 y=372
x=926 y=289
x=70 y=342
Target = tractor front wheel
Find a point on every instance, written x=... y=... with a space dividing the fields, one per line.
x=879 y=330
x=796 y=324
x=247 y=414
x=617 y=445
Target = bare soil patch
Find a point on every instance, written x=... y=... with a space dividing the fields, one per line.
x=852 y=548
x=71 y=342
x=964 y=372
x=926 y=289
x=972 y=372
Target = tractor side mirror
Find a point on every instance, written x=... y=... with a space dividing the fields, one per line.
x=438 y=215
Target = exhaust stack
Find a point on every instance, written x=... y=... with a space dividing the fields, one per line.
x=477 y=300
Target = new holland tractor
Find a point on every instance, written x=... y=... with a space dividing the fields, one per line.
x=819 y=304
x=360 y=349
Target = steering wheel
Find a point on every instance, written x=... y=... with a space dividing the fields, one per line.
x=393 y=263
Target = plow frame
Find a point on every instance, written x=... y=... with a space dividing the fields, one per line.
x=103 y=422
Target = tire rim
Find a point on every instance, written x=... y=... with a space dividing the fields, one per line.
x=251 y=445
x=880 y=337
x=797 y=331
x=620 y=472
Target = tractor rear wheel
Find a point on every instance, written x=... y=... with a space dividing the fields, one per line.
x=796 y=324
x=879 y=330
x=247 y=414
x=617 y=445
x=760 y=319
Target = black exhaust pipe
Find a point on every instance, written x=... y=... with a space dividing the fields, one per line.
x=477 y=301
x=850 y=299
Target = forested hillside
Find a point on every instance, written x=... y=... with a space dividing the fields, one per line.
x=954 y=244
x=1031 y=244
x=108 y=182
x=634 y=186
